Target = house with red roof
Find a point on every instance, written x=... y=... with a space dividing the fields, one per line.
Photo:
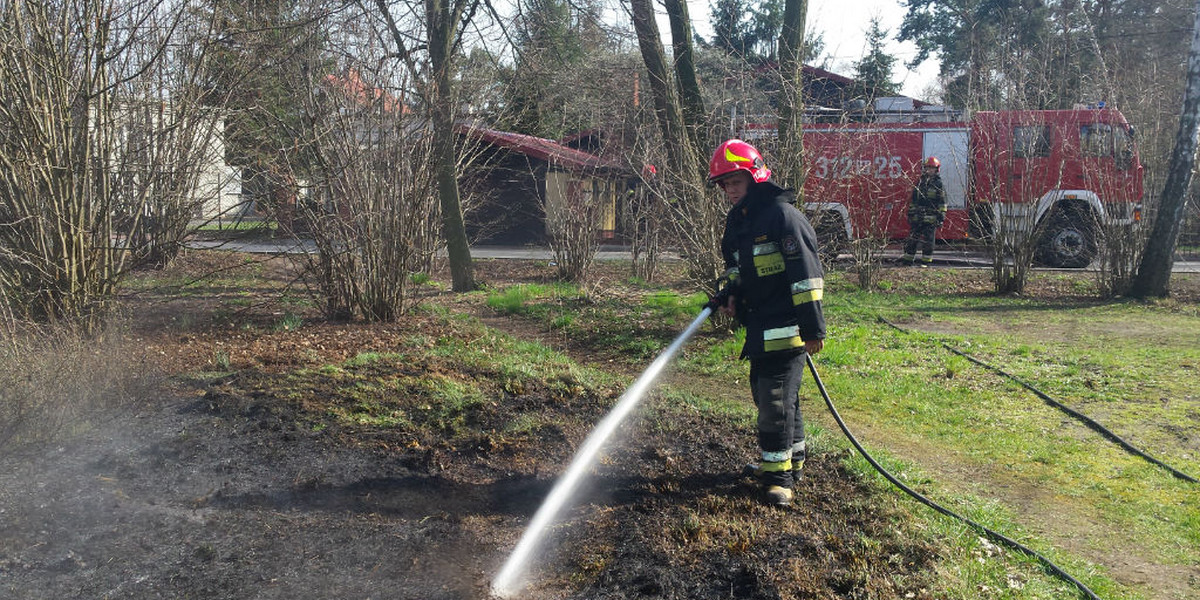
x=516 y=182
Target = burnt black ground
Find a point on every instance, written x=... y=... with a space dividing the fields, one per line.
x=225 y=496
x=230 y=488
x=183 y=502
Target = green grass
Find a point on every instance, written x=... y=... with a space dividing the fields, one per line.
x=671 y=307
x=741 y=413
x=972 y=439
x=221 y=359
x=634 y=329
x=1115 y=362
x=532 y=299
x=977 y=566
x=289 y=322
x=240 y=225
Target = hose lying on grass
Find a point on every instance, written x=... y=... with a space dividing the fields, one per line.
x=993 y=535
x=1086 y=420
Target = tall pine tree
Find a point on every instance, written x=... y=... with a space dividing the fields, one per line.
x=873 y=74
x=555 y=39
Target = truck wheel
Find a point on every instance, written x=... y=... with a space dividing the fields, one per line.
x=831 y=236
x=1069 y=242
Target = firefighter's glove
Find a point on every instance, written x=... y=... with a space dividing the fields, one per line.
x=721 y=298
x=726 y=286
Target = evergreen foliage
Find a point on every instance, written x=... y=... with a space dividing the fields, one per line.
x=745 y=31
x=873 y=74
x=555 y=40
x=251 y=74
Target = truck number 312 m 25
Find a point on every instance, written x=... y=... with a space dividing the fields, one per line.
x=1054 y=177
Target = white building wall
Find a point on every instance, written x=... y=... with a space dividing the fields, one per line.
x=219 y=187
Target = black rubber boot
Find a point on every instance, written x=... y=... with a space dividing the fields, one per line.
x=777 y=495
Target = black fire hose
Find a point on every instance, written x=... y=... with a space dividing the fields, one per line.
x=993 y=535
x=1086 y=420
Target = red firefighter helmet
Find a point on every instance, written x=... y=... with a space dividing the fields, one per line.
x=932 y=161
x=736 y=155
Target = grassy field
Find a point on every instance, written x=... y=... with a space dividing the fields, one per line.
x=979 y=443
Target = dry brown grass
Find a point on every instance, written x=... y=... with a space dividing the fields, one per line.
x=55 y=379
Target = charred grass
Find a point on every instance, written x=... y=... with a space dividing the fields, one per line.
x=56 y=381
x=666 y=514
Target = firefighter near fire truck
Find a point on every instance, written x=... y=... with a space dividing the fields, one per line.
x=1053 y=180
x=773 y=285
x=926 y=213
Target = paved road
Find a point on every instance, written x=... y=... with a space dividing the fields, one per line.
x=944 y=257
x=301 y=246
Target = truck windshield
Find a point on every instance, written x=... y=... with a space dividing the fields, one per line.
x=1123 y=147
x=1102 y=140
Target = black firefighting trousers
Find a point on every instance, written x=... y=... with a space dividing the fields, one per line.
x=920 y=234
x=775 y=386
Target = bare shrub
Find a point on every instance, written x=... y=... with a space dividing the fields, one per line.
x=875 y=213
x=1120 y=253
x=1010 y=244
x=372 y=206
x=868 y=259
x=643 y=225
x=574 y=208
x=101 y=144
x=697 y=222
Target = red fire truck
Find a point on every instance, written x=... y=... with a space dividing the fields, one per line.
x=1056 y=175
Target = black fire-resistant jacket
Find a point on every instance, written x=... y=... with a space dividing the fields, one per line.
x=770 y=252
x=928 y=200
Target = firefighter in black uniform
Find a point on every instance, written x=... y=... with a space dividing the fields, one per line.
x=926 y=212
x=774 y=284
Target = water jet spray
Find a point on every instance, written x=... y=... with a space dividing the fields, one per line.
x=511 y=579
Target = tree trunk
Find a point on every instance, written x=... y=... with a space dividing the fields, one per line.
x=685 y=76
x=790 y=163
x=697 y=217
x=666 y=106
x=440 y=22
x=1154 y=274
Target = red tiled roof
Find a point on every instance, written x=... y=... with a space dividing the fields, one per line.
x=541 y=148
x=352 y=85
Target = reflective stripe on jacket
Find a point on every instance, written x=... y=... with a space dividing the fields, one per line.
x=928 y=199
x=772 y=248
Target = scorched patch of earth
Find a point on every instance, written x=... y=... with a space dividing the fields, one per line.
x=409 y=472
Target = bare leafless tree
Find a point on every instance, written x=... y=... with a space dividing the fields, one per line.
x=100 y=146
x=1154 y=272
x=697 y=214
x=427 y=38
x=791 y=167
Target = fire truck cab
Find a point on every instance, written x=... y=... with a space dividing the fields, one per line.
x=1055 y=175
